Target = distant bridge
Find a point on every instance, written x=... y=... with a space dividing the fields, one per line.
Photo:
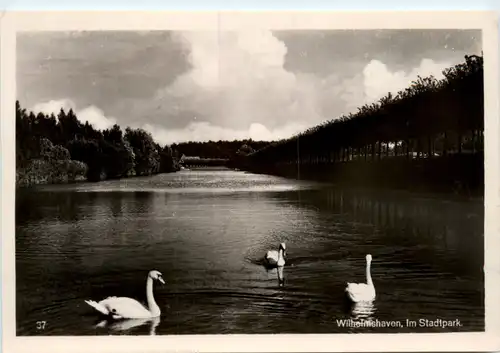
x=197 y=162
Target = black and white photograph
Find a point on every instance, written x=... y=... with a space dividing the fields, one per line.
x=250 y=180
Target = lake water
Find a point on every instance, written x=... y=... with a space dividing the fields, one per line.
x=207 y=232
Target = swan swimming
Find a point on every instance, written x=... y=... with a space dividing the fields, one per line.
x=362 y=292
x=128 y=308
x=276 y=257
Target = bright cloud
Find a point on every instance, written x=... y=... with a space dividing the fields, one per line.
x=378 y=80
x=91 y=114
x=53 y=106
x=238 y=87
x=95 y=117
x=205 y=131
x=196 y=131
x=239 y=80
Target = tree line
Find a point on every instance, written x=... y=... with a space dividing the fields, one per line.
x=219 y=149
x=55 y=149
x=59 y=149
x=431 y=118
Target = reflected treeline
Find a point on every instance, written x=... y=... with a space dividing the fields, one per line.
x=393 y=219
x=67 y=205
x=72 y=206
x=429 y=134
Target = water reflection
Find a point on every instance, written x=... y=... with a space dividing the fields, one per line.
x=281 y=277
x=363 y=311
x=122 y=326
x=89 y=241
x=278 y=273
x=428 y=224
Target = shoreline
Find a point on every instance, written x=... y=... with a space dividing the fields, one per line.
x=423 y=192
x=445 y=176
x=81 y=180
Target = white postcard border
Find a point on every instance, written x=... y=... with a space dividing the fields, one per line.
x=142 y=20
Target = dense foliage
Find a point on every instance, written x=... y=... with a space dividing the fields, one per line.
x=52 y=149
x=428 y=137
x=431 y=118
x=58 y=149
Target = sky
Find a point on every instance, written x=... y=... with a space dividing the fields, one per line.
x=200 y=86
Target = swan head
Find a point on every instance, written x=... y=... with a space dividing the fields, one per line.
x=368 y=258
x=156 y=275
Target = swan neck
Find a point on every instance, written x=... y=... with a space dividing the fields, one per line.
x=152 y=306
x=280 y=254
x=368 y=274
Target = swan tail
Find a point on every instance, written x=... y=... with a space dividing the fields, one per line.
x=100 y=308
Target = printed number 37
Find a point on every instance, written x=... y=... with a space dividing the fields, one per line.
x=40 y=325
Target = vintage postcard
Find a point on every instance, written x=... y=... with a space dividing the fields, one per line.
x=231 y=181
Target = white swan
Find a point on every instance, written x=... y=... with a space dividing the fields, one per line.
x=128 y=308
x=276 y=258
x=362 y=292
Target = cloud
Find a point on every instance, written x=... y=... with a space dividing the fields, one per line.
x=53 y=106
x=239 y=79
x=379 y=80
x=95 y=117
x=195 y=131
x=239 y=86
x=235 y=80
x=204 y=131
x=91 y=114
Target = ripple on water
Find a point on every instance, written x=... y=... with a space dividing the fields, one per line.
x=207 y=233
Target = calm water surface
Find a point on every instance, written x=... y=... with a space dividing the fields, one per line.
x=206 y=231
